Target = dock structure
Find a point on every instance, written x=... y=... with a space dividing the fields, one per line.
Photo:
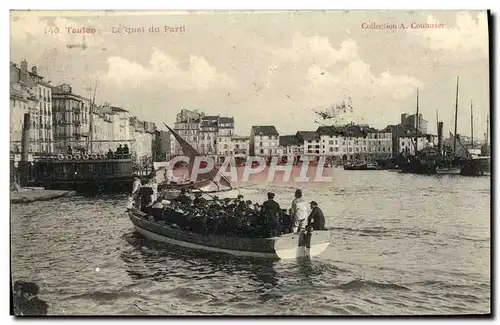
x=27 y=195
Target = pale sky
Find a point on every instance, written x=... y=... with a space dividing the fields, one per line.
x=269 y=67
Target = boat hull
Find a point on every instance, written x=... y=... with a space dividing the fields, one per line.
x=287 y=246
x=448 y=171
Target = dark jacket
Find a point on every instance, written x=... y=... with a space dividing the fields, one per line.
x=316 y=219
x=199 y=201
x=270 y=210
x=184 y=199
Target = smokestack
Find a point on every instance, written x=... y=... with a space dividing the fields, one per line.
x=34 y=70
x=440 y=137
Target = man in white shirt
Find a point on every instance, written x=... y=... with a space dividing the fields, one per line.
x=134 y=200
x=299 y=211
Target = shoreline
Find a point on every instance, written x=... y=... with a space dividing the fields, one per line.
x=30 y=196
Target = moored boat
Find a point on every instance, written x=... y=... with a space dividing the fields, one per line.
x=286 y=246
x=448 y=170
x=362 y=166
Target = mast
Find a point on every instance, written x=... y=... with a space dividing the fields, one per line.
x=416 y=128
x=471 y=127
x=91 y=119
x=487 y=126
x=456 y=116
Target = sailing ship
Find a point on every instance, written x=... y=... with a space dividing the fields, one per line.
x=211 y=184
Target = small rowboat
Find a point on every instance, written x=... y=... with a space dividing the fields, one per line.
x=287 y=246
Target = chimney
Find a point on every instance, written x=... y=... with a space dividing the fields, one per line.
x=24 y=71
x=34 y=71
x=440 y=137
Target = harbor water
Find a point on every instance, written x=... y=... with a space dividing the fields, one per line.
x=403 y=245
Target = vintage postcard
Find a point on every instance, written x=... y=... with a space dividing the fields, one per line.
x=250 y=163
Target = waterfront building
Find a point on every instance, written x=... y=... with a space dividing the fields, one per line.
x=22 y=101
x=71 y=119
x=225 y=132
x=187 y=125
x=403 y=140
x=239 y=146
x=379 y=144
x=141 y=140
x=41 y=134
x=264 y=140
x=346 y=142
x=162 y=145
x=290 y=146
x=208 y=131
x=102 y=125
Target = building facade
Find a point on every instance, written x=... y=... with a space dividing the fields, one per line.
x=22 y=101
x=161 y=145
x=71 y=119
x=225 y=132
x=264 y=141
x=239 y=146
x=187 y=125
x=41 y=134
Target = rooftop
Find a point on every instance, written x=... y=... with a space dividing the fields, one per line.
x=269 y=130
x=307 y=135
x=289 y=140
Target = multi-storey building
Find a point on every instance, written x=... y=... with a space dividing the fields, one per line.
x=291 y=147
x=141 y=136
x=225 y=132
x=102 y=132
x=41 y=134
x=22 y=101
x=71 y=119
x=239 y=146
x=264 y=140
x=379 y=144
x=161 y=145
x=187 y=125
x=208 y=131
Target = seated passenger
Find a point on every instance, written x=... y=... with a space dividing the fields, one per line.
x=183 y=198
x=157 y=210
x=199 y=200
x=316 y=219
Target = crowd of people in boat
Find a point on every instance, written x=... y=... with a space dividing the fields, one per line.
x=227 y=217
x=120 y=153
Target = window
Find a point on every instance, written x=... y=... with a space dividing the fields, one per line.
x=343 y=143
x=383 y=149
x=350 y=149
x=357 y=149
x=336 y=142
x=331 y=149
x=356 y=142
x=336 y=149
x=261 y=150
x=330 y=142
x=260 y=144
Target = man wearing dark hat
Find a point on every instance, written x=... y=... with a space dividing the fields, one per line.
x=199 y=200
x=183 y=198
x=269 y=211
x=316 y=219
x=241 y=205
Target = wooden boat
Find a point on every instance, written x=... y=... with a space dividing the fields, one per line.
x=287 y=246
x=362 y=166
x=478 y=166
x=448 y=170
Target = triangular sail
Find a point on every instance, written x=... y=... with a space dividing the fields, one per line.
x=191 y=152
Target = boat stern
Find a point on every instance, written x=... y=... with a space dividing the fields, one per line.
x=303 y=244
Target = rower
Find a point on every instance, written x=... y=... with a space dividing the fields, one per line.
x=184 y=198
x=199 y=200
x=316 y=219
x=269 y=212
x=298 y=211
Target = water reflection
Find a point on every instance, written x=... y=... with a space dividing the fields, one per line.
x=160 y=262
